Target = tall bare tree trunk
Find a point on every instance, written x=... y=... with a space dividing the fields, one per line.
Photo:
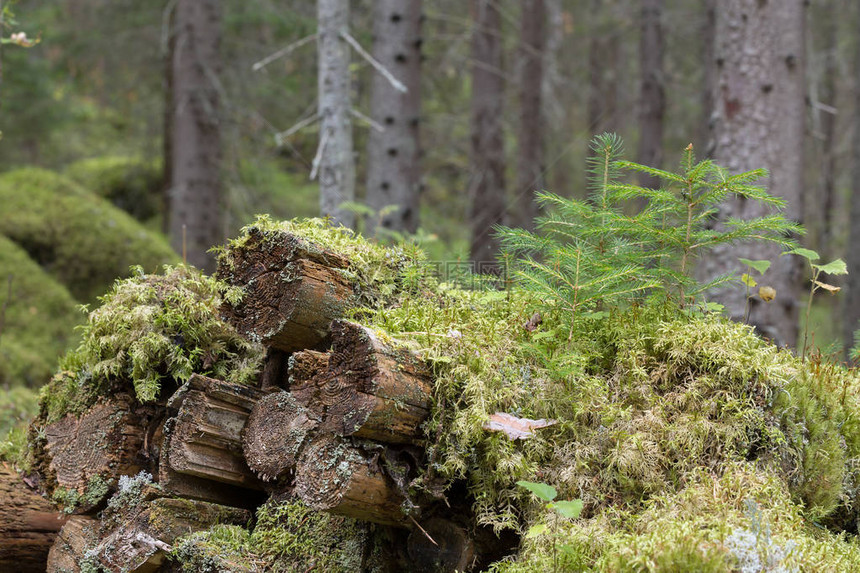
x=195 y=189
x=759 y=122
x=652 y=98
x=335 y=154
x=530 y=142
x=168 y=48
x=488 y=151
x=708 y=34
x=393 y=170
x=602 y=70
x=851 y=310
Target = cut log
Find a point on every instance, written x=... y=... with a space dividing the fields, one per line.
x=307 y=379
x=337 y=476
x=277 y=432
x=81 y=454
x=138 y=537
x=204 y=439
x=293 y=289
x=274 y=374
x=28 y=525
x=374 y=390
x=78 y=535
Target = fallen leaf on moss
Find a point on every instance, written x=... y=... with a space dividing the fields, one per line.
x=513 y=427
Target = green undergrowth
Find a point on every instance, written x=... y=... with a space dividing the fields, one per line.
x=151 y=330
x=376 y=271
x=644 y=399
x=18 y=405
x=287 y=537
x=129 y=183
x=38 y=319
x=77 y=237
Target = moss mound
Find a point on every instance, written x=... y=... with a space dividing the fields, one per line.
x=38 y=319
x=132 y=184
x=151 y=331
x=80 y=239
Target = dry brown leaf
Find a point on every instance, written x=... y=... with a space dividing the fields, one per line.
x=513 y=427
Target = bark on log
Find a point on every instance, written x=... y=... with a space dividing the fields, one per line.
x=293 y=289
x=78 y=535
x=107 y=441
x=335 y=475
x=142 y=534
x=28 y=525
x=204 y=439
x=277 y=431
x=372 y=389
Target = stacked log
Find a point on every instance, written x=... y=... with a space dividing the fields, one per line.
x=335 y=420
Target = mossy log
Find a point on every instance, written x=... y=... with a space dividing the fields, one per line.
x=109 y=440
x=78 y=535
x=204 y=438
x=277 y=432
x=372 y=389
x=337 y=476
x=28 y=525
x=293 y=289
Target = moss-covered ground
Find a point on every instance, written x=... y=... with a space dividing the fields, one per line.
x=694 y=444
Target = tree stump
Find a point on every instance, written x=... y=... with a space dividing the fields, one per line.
x=293 y=289
x=28 y=525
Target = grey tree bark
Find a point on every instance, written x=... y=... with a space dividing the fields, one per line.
x=335 y=161
x=602 y=70
x=531 y=129
x=393 y=156
x=759 y=122
x=195 y=214
x=652 y=97
x=487 y=186
x=708 y=35
x=851 y=310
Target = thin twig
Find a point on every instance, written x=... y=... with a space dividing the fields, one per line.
x=283 y=52
x=369 y=121
x=424 y=532
x=373 y=62
x=318 y=157
x=166 y=28
x=281 y=136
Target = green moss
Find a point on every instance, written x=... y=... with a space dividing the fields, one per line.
x=38 y=319
x=131 y=184
x=80 y=239
x=18 y=405
x=151 y=330
x=288 y=537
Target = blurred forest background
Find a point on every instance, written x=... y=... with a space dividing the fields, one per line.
x=502 y=99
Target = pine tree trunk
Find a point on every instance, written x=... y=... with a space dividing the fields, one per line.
x=487 y=186
x=602 y=71
x=531 y=133
x=652 y=97
x=336 y=161
x=195 y=188
x=759 y=122
x=708 y=32
x=393 y=156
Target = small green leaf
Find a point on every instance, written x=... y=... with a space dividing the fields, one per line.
x=714 y=307
x=536 y=530
x=569 y=509
x=761 y=266
x=541 y=490
x=837 y=267
x=748 y=280
x=807 y=254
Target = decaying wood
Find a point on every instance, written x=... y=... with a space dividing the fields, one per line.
x=105 y=442
x=204 y=439
x=78 y=535
x=277 y=431
x=28 y=525
x=307 y=379
x=293 y=289
x=440 y=545
x=337 y=476
x=142 y=535
x=372 y=389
